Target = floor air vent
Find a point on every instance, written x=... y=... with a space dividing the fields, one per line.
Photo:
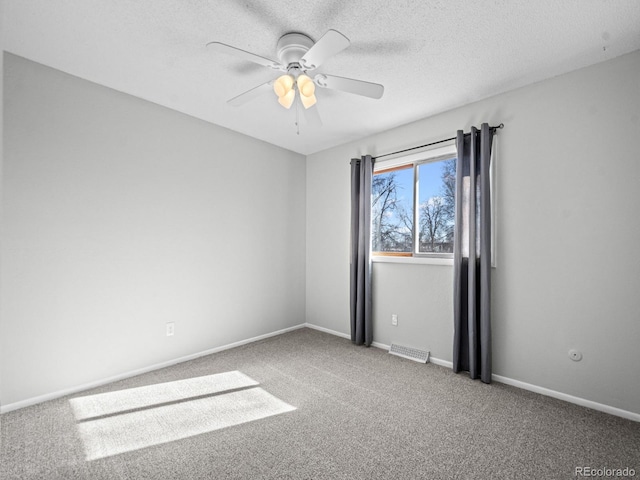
x=410 y=353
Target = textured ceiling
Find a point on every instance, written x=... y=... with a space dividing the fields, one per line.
x=431 y=56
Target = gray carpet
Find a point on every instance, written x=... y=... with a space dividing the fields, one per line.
x=333 y=411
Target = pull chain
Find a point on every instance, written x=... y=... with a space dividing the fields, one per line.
x=297 y=116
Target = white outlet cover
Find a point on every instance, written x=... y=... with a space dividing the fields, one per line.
x=170 y=329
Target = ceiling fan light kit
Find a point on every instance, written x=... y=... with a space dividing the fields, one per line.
x=285 y=86
x=287 y=99
x=306 y=86
x=297 y=55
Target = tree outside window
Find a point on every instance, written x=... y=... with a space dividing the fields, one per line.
x=428 y=185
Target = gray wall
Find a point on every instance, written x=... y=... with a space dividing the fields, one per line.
x=120 y=216
x=568 y=232
x=1 y=163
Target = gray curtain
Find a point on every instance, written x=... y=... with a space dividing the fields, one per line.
x=472 y=255
x=360 y=278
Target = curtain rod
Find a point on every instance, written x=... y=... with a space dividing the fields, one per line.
x=432 y=143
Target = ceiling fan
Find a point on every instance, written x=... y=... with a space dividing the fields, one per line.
x=297 y=56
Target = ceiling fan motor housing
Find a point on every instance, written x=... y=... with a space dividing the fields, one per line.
x=292 y=47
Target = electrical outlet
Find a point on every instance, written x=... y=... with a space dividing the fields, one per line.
x=170 y=329
x=394 y=319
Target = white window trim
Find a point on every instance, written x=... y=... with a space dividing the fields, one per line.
x=419 y=157
x=422 y=260
x=414 y=157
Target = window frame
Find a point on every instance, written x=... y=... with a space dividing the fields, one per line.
x=415 y=160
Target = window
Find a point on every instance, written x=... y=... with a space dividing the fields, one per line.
x=412 y=205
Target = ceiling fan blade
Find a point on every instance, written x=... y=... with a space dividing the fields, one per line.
x=250 y=94
x=359 y=87
x=252 y=57
x=329 y=44
x=312 y=116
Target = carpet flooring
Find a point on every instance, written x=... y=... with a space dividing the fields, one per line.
x=308 y=405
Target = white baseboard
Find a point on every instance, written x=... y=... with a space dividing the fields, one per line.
x=343 y=335
x=618 y=412
x=79 y=388
x=442 y=363
x=327 y=330
x=436 y=361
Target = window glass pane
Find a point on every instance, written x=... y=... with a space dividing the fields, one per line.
x=392 y=211
x=436 y=203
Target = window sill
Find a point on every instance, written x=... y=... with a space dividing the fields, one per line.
x=412 y=260
x=417 y=260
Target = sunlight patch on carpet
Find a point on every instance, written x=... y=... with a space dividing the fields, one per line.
x=118 y=433
x=142 y=397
